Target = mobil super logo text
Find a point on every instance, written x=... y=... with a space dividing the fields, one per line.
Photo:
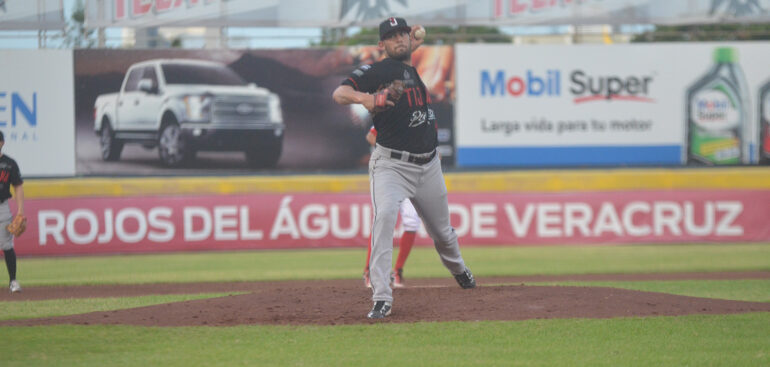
x=579 y=84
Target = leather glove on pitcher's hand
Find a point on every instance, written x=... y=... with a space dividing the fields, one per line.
x=388 y=95
x=18 y=225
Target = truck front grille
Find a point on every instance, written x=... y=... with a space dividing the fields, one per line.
x=240 y=109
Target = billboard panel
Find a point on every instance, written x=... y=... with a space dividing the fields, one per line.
x=593 y=105
x=628 y=11
x=247 y=93
x=339 y=13
x=36 y=111
x=272 y=221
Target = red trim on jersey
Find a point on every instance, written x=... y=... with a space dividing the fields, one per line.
x=354 y=82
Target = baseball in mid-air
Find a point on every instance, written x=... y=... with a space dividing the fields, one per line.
x=419 y=33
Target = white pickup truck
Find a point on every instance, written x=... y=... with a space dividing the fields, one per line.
x=185 y=106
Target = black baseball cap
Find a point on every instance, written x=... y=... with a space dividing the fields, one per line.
x=392 y=24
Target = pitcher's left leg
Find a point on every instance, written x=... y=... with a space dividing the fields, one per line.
x=430 y=201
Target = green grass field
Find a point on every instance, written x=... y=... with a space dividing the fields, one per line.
x=718 y=340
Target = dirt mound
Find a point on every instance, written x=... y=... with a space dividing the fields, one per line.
x=347 y=301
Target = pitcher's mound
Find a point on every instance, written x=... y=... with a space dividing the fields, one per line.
x=347 y=302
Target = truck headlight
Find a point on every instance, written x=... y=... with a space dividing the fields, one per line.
x=198 y=108
x=274 y=105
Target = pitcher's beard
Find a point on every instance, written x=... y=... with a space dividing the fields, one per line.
x=402 y=57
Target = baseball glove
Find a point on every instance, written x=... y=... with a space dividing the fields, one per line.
x=390 y=92
x=18 y=225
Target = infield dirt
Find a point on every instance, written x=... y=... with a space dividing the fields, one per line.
x=332 y=302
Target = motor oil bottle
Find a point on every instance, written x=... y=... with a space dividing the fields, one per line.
x=764 y=123
x=718 y=129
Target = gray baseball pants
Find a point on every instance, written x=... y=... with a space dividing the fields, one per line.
x=6 y=238
x=392 y=181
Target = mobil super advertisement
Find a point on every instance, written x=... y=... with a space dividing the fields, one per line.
x=612 y=105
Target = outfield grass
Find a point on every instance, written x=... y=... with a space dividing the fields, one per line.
x=423 y=262
x=753 y=290
x=734 y=340
x=73 y=306
x=713 y=340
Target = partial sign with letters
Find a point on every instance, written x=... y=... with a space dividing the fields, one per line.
x=275 y=221
x=37 y=110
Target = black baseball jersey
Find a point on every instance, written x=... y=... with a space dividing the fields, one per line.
x=410 y=125
x=9 y=175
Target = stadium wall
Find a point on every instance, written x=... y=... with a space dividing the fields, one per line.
x=516 y=208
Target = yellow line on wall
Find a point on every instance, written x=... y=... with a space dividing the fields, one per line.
x=162 y=186
x=749 y=178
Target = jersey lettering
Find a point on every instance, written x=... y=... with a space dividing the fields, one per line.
x=418 y=118
x=414 y=96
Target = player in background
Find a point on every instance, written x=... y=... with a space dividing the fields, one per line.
x=411 y=223
x=9 y=176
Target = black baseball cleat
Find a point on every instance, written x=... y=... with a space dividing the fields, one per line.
x=380 y=310
x=465 y=279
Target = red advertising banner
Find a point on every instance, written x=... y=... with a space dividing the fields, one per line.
x=270 y=221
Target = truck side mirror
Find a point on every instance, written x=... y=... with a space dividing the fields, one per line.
x=147 y=86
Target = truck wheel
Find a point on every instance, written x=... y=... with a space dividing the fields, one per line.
x=172 y=148
x=264 y=155
x=111 y=147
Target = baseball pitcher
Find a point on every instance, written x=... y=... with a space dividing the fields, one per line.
x=404 y=164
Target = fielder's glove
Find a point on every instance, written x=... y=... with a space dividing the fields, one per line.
x=18 y=225
x=391 y=92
